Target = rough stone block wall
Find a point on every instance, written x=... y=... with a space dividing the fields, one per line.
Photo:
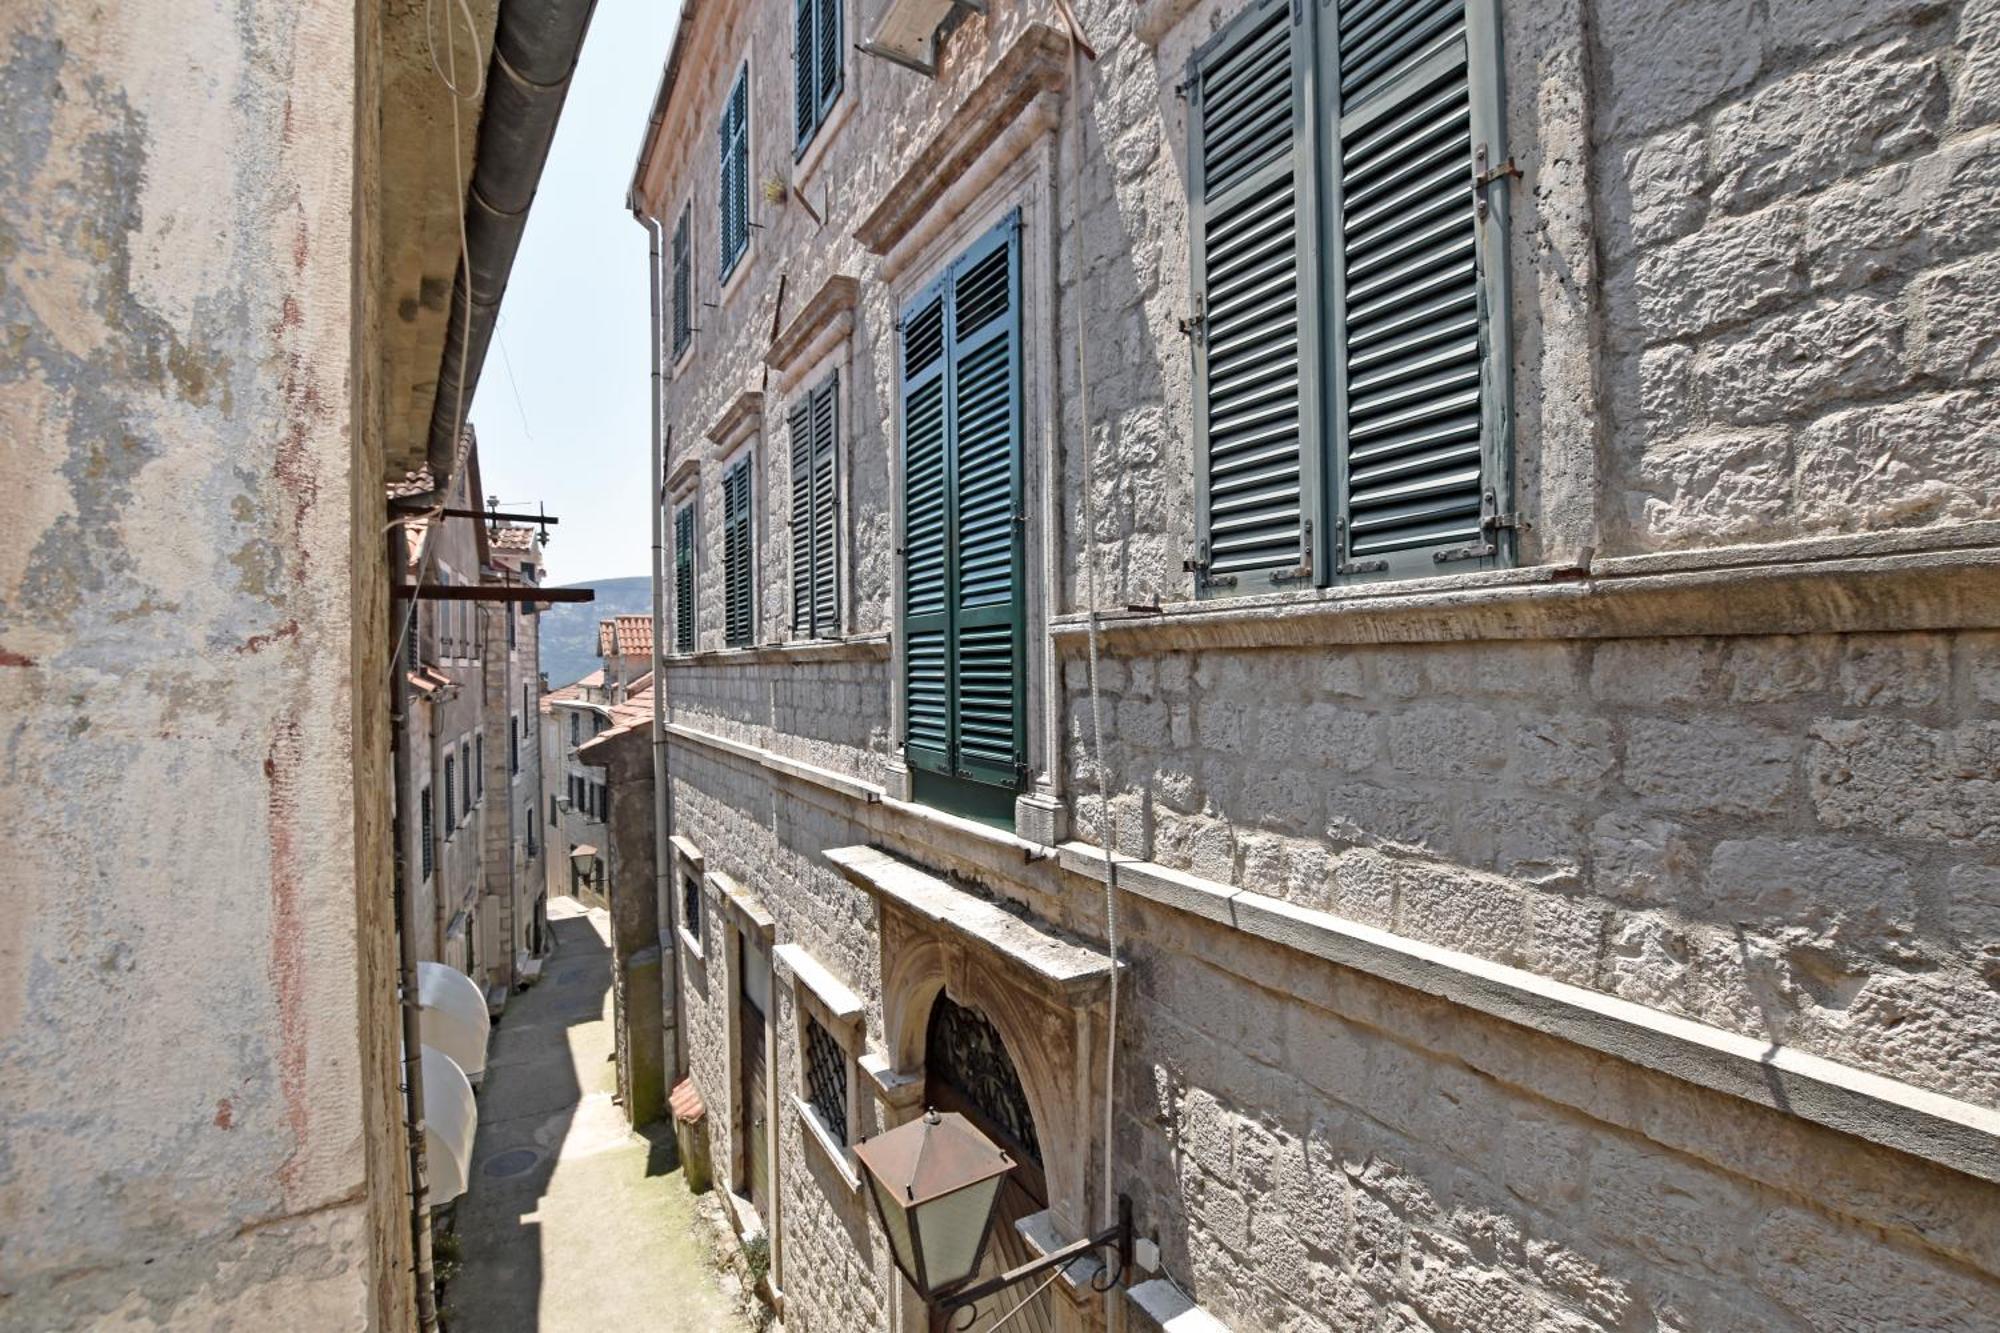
x=1786 y=836
x=831 y=713
x=1801 y=224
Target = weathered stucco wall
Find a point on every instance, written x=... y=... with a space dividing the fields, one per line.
x=1751 y=264
x=195 y=1016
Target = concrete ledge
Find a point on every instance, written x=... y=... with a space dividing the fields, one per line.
x=858 y=648
x=1955 y=1134
x=840 y=1002
x=1165 y=1304
x=1788 y=591
x=778 y=763
x=1073 y=971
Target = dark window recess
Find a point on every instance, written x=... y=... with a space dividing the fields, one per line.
x=683 y=280
x=816 y=71
x=479 y=764
x=424 y=856
x=733 y=196
x=514 y=747
x=555 y=815
x=691 y=907
x=575 y=728
x=826 y=1080
x=815 y=429
x=963 y=627
x=964 y=1049
x=1347 y=286
x=739 y=554
x=450 y=795
x=684 y=579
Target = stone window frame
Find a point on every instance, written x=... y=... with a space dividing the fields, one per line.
x=807 y=160
x=729 y=284
x=689 y=868
x=736 y=912
x=817 y=995
x=1026 y=185
x=838 y=362
x=750 y=453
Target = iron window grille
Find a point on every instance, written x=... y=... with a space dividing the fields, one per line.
x=826 y=1080
x=691 y=907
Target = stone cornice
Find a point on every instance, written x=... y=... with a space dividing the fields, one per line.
x=683 y=472
x=831 y=307
x=743 y=415
x=1035 y=64
x=1845 y=586
x=1952 y=1133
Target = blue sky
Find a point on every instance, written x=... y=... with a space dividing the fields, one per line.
x=563 y=400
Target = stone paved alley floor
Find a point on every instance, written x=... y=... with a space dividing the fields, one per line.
x=573 y=1223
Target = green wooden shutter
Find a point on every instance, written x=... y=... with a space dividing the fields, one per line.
x=964 y=633
x=683 y=282
x=805 y=77
x=684 y=579
x=825 y=509
x=738 y=557
x=734 y=144
x=814 y=426
x=1251 y=224
x=927 y=591
x=985 y=397
x=1419 y=381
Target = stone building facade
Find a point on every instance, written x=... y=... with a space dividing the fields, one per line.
x=1557 y=882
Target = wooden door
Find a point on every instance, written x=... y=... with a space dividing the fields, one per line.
x=755 y=1099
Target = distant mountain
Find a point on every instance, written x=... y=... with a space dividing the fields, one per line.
x=569 y=629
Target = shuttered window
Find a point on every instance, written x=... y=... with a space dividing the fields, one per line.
x=684 y=578
x=733 y=208
x=683 y=262
x=816 y=69
x=739 y=597
x=450 y=795
x=815 y=430
x=427 y=832
x=963 y=629
x=1349 y=285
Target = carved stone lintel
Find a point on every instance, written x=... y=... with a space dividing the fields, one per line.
x=832 y=303
x=743 y=415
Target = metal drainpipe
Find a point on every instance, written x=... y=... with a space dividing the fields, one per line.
x=406 y=949
x=663 y=867
x=440 y=876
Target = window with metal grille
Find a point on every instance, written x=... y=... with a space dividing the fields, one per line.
x=739 y=554
x=1349 y=293
x=814 y=431
x=816 y=71
x=684 y=578
x=826 y=1080
x=691 y=907
x=733 y=196
x=682 y=256
x=424 y=854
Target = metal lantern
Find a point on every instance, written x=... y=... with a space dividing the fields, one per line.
x=935 y=1181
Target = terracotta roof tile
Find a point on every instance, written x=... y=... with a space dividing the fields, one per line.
x=511 y=537
x=413 y=483
x=625 y=636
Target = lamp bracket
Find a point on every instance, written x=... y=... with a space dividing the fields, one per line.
x=1118 y=1238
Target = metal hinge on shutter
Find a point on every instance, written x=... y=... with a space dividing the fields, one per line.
x=1194 y=325
x=1303 y=571
x=1203 y=580
x=1345 y=567
x=1480 y=550
x=1482 y=176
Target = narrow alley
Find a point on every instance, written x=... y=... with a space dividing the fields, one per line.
x=558 y=1173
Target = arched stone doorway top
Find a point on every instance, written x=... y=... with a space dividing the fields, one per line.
x=1044 y=994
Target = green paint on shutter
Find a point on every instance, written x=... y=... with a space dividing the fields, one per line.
x=684 y=579
x=805 y=65
x=683 y=260
x=1255 y=339
x=1409 y=443
x=734 y=194
x=738 y=557
x=830 y=63
x=964 y=634
x=814 y=428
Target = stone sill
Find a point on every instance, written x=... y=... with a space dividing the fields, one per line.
x=1943 y=579
x=1169 y=1307
x=816 y=1133
x=747 y=905
x=1954 y=1134
x=855 y=648
x=841 y=1004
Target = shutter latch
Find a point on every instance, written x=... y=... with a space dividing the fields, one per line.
x=1303 y=571
x=1191 y=327
x=1203 y=580
x=1483 y=176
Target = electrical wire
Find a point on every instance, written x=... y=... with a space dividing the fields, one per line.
x=1026 y=1301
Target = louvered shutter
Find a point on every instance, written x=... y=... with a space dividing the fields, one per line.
x=985 y=403
x=805 y=77
x=1255 y=272
x=684 y=579
x=830 y=64
x=734 y=207
x=927 y=592
x=801 y=431
x=825 y=557
x=1419 y=382
x=738 y=554
x=683 y=282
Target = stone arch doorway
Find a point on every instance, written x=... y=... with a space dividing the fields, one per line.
x=967 y=1068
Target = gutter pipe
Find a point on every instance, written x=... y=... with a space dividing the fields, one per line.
x=535 y=48
x=663 y=867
